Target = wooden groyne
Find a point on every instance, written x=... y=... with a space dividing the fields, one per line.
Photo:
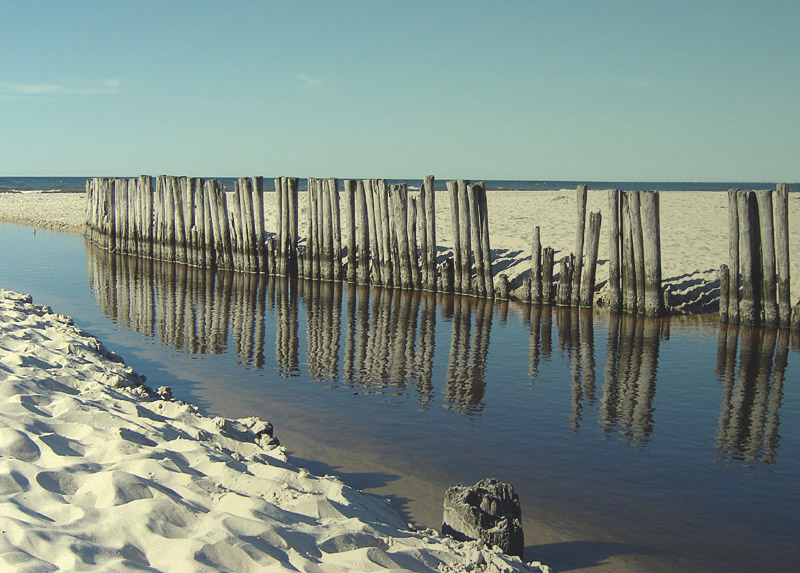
x=755 y=283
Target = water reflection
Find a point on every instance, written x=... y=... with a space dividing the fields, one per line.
x=752 y=392
x=384 y=341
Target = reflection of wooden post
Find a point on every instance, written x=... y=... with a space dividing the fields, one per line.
x=769 y=292
x=547 y=275
x=536 y=267
x=363 y=234
x=350 y=222
x=724 y=293
x=749 y=250
x=579 y=234
x=589 y=269
x=733 y=256
x=452 y=189
x=651 y=228
x=782 y=253
x=614 y=293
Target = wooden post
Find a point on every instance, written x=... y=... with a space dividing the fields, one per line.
x=379 y=254
x=281 y=228
x=614 y=293
x=486 y=250
x=292 y=190
x=628 y=260
x=579 y=234
x=473 y=201
x=724 y=293
x=208 y=223
x=590 y=266
x=547 y=275
x=638 y=250
x=170 y=218
x=315 y=212
x=733 y=256
x=502 y=287
x=257 y=188
x=795 y=320
x=429 y=248
x=371 y=254
x=536 y=267
x=769 y=291
x=651 y=230
x=452 y=189
x=464 y=215
x=750 y=253
x=336 y=228
x=363 y=233
x=416 y=274
x=782 y=252
x=564 y=290
x=350 y=222
x=446 y=275
x=400 y=204
x=387 y=267
x=326 y=238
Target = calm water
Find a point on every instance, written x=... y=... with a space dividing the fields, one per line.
x=635 y=445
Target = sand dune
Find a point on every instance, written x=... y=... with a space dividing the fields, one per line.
x=97 y=471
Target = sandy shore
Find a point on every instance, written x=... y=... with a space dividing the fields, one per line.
x=98 y=471
x=694 y=232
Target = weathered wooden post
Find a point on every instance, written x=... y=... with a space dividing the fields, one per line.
x=590 y=266
x=473 y=201
x=429 y=248
x=282 y=226
x=257 y=189
x=724 y=293
x=292 y=190
x=455 y=218
x=579 y=239
x=628 y=260
x=350 y=223
x=638 y=250
x=651 y=227
x=446 y=276
x=326 y=238
x=733 y=256
x=750 y=253
x=336 y=228
x=466 y=236
x=536 y=267
x=614 y=293
x=564 y=289
x=769 y=290
x=416 y=272
x=486 y=251
x=547 y=275
x=382 y=203
x=400 y=208
x=363 y=233
x=315 y=214
x=373 y=215
x=782 y=252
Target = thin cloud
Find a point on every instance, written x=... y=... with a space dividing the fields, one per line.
x=309 y=82
x=107 y=86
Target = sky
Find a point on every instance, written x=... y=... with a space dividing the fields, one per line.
x=577 y=90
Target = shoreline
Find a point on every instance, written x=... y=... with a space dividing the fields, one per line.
x=694 y=234
x=101 y=470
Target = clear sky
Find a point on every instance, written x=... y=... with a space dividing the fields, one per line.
x=576 y=90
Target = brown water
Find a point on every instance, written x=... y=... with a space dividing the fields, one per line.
x=634 y=444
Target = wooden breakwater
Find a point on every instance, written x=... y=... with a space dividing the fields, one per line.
x=755 y=284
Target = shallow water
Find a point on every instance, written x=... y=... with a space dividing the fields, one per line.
x=634 y=444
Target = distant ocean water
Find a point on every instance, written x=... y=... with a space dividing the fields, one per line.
x=78 y=185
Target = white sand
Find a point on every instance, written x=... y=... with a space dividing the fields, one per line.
x=99 y=472
x=694 y=232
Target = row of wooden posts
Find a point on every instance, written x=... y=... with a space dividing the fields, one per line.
x=390 y=234
x=755 y=284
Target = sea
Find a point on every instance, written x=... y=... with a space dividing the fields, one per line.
x=78 y=185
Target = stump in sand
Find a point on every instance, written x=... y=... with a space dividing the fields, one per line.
x=489 y=512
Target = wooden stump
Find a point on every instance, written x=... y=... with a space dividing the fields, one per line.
x=769 y=291
x=336 y=228
x=465 y=235
x=724 y=293
x=455 y=218
x=413 y=255
x=536 y=267
x=590 y=266
x=564 y=290
x=363 y=234
x=628 y=260
x=750 y=254
x=428 y=207
x=638 y=250
x=473 y=201
x=547 y=275
x=486 y=250
x=350 y=223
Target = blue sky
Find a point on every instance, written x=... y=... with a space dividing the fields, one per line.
x=639 y=90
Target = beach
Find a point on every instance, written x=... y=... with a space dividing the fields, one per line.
x=694 y=233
